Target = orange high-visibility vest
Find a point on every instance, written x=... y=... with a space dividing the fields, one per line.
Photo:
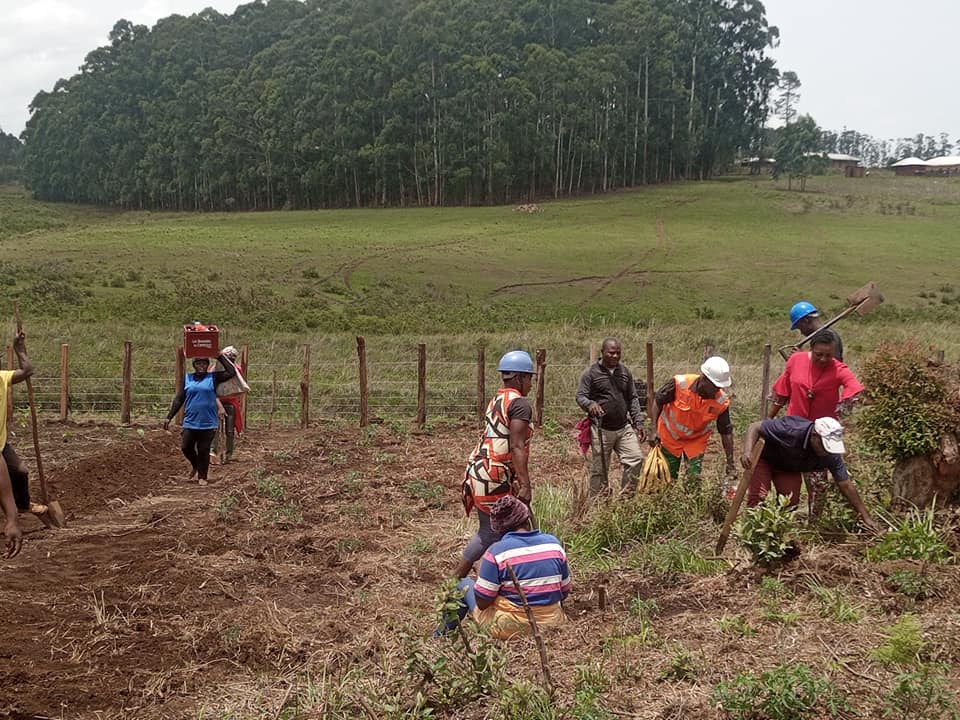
x=489 y=474
x=684 y=424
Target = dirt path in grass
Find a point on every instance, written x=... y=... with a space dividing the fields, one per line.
x=314 y=551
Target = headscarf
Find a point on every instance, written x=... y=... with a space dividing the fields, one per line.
x=508 y=513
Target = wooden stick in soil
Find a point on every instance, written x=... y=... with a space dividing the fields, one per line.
x=538 y=638
x=738 y=496
x=650 y=389
x=64 y=382
x=765 y=382
x=54 y=511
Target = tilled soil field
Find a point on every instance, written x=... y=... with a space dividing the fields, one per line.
x=313 y=551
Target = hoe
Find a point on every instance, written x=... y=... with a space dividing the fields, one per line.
x=54 y=516
x=861 y=302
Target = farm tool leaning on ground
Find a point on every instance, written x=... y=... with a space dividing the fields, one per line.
x=498 y=465
x=607 y=393
x=198 y=397
x=684 y=409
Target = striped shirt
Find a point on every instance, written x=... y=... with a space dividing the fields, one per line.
x=539 y=561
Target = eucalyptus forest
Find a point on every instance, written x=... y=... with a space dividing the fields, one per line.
x=364 y=103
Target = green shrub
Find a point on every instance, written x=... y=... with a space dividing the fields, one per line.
x=915 y=538
x=904 y=643
x=907 y=413
x=912 y=584
x=834 y=604
x=767 y=530
x=269 y=487
x=787 y=692
x=430 y=493
x=923 y=694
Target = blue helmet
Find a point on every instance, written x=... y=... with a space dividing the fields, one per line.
x=516 y=361
x=799 y=311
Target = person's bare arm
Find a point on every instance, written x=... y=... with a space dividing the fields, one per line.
x=518 y=450
x=26 y=367
x=849 y=491
x=749 y=440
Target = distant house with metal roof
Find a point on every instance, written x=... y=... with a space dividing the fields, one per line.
x=944 y=165
x=910 y=166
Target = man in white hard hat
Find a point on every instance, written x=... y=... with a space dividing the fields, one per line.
x=795 y=445
x=685 y=409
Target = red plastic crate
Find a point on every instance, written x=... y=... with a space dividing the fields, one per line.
x=201 y=342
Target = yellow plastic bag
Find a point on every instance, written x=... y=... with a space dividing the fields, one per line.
x=655 y=473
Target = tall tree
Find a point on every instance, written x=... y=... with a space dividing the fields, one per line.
x=786 y=103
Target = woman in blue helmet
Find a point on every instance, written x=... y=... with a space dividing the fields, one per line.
x=498 y=465
x=805 y=318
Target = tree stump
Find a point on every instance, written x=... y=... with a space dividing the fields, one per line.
x=919 y=480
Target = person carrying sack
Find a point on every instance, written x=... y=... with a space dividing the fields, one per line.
x=230 y=396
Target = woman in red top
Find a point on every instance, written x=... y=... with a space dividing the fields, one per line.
x=814 y=384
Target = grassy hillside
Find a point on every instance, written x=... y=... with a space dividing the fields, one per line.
x=725 y=250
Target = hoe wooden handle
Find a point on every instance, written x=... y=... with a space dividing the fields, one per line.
x=44 y=495
x=738 y=496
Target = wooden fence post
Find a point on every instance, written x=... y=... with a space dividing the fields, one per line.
x=593 y=353
x=421 y=386
x=765 y=382
x=126 y=392
x=64 y=382
x=244 y=362
x=651 y=391
x=481 y=381
x=273 y=398
x=707 y=351
x=305 y=389
x=541 y=381
x=10 y=389
x=181 y=374
x=941 y=356
x=362 y=356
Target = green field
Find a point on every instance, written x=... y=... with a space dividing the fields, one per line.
x=684 y=266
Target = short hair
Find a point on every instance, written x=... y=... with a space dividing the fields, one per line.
x=826 y=336
x=609 y=340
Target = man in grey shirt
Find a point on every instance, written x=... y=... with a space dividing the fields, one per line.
x=608 y=395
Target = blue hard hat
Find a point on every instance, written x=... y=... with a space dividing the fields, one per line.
x=516 y=361
x=799 y=311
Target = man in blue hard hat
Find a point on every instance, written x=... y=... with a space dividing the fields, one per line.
x=498 y=465
x=805 y=318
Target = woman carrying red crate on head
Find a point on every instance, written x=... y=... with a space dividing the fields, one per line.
x=198 y=398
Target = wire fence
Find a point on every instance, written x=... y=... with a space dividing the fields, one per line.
x=397 y=389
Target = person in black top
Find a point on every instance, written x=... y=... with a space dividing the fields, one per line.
x=608 y=395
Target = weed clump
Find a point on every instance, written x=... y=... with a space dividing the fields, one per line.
x=787 y=692
x=915 y=538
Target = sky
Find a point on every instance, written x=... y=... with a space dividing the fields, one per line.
x=882 y=67
x=886 y=68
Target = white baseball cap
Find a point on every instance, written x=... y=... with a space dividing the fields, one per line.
x=831 y=433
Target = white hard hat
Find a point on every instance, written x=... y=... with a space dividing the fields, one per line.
x=717 y=371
